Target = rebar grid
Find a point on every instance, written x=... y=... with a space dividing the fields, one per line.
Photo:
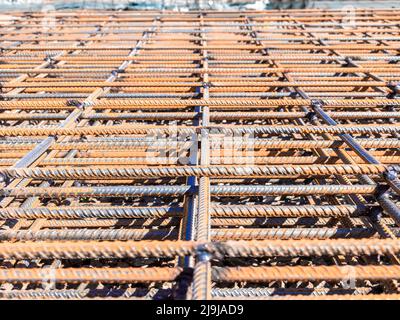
x=200 y=155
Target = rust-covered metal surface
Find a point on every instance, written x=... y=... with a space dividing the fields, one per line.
x=163 y=155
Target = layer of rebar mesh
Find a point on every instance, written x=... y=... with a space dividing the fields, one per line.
x=200 y=155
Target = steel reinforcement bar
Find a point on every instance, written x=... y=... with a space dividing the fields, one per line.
x=200 y=155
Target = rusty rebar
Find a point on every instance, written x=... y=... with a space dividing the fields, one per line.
x=198 y=150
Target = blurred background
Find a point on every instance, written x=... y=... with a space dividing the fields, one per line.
x=184 y=5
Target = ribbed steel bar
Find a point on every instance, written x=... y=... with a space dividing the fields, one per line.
x=227 y=190
x=301 y=273
x=114 y=275
x=74 y=294
x=65 y=173
x=170 y=249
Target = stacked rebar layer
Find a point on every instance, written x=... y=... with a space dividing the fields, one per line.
x=200 y=155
